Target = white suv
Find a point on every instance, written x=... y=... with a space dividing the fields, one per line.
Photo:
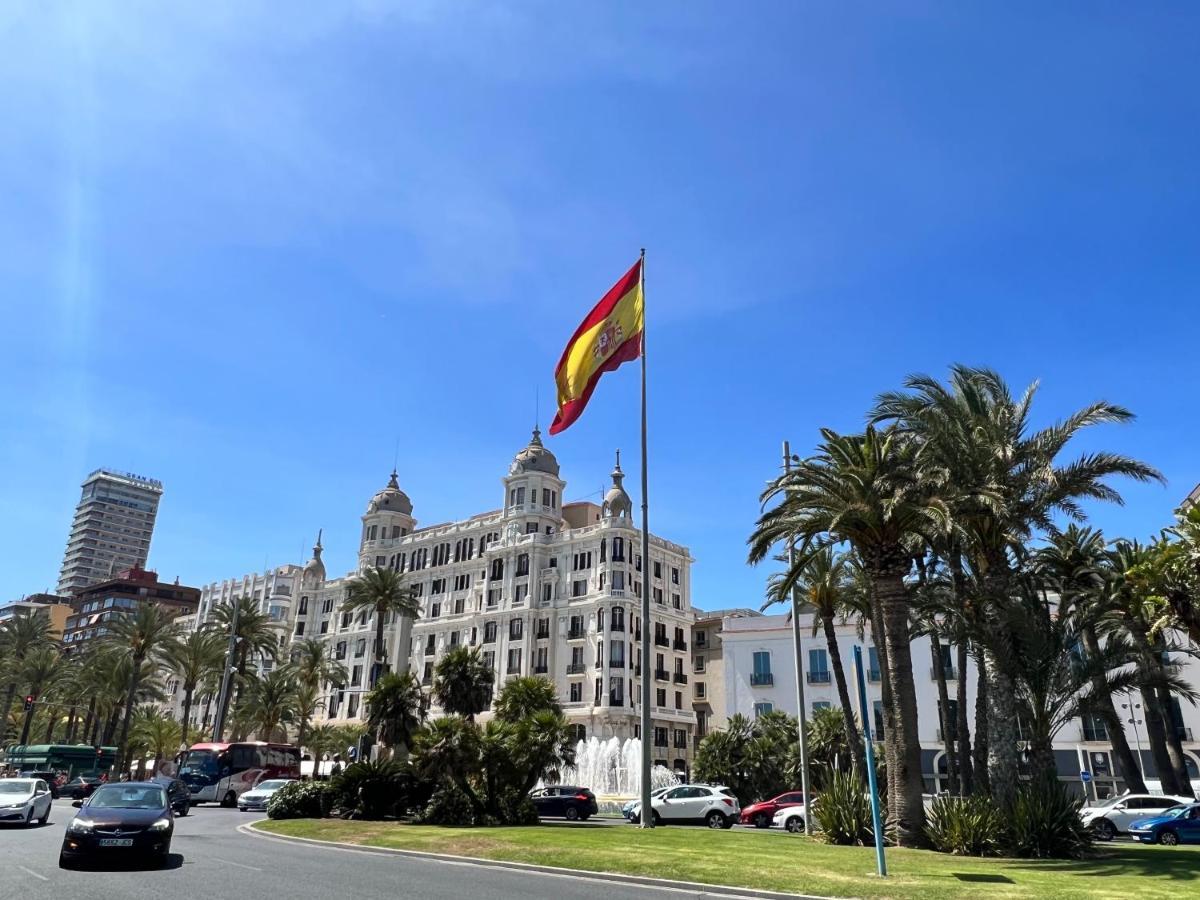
x=705 y=804
x=1112 y=817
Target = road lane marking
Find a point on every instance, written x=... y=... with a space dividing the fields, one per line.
x=33 y=873
x=230 y=862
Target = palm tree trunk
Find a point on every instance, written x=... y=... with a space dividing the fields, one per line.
x=379 y=654
x=908 y=826
x=72 y=721
x=187 y=713
x=51 y=721
x=88 y=718
x=1128 y=768
x=879 y=636
x=10 y=694
x=979 y=756
x=122 y=743
x=1156 y=735
x=839 y=677
x=1041 y=759
x=1174 y=745
x=1002 y=760
x=963 y=736
x=944 y=720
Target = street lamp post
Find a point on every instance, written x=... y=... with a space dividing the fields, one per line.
x=1137 y=735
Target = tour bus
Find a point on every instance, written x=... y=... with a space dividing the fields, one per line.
x=219 y=773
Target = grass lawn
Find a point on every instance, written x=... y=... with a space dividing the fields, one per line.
x=783 y=863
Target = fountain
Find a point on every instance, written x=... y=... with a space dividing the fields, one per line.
x=612 y=769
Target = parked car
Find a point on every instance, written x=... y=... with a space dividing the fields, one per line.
x=80 y=786
x=760 y=814
x=573 y=803
x=256 y=798
x=1176 y=825
x=120 y=820
x=631 y=805
x=51 y=779
x=179 y=795
x=711 y=805
x=24 y=799
x=791 y=818
x=1114 y=816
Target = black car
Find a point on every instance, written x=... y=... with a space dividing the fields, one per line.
x=574 y=803
x=179 y=795
x=118 y=821
x=51 y=779
x=80 y=786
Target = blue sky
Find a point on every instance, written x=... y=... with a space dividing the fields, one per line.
x=250 y=252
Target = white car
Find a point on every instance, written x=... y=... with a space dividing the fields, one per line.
x=257 y=797
x=791 y=818
x=693 y=804
x=1114 y=816
x=23 y=800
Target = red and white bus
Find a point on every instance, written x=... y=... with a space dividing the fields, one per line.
x=221 y=772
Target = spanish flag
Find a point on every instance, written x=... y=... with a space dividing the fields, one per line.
x=611 y=334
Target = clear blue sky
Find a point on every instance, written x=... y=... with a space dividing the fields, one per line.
x=247 y=251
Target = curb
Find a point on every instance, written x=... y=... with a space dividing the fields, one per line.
x=698 y=888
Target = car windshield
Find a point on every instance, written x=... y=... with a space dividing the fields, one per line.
x=118 y=796
x=16 y=787
x=273 y=785
x=200 y=762
x=1174 y=812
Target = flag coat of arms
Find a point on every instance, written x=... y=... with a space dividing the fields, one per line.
x=611 y=334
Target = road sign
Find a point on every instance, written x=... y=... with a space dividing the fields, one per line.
x=1085 y=776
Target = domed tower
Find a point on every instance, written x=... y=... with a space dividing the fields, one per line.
x=532 y=489
x=388 y=516
x=313 y=576
x=617 y=504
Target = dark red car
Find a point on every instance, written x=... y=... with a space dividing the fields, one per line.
x=760 y=814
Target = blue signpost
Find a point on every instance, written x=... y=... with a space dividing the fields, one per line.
x=876 y=818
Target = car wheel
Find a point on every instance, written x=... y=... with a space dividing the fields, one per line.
x=572 y=814
x=795 y=825
x=229 y=800
x=715 y=820
x=635 y=820
x=1104 y=830
x=762 y=821
x=1168 y=838
x=657 y=819
x=45 y=817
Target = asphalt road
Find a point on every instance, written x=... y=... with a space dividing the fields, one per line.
x=211 y=859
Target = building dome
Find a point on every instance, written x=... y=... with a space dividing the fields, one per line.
x=390 y=499
x=617 y=504
x=535 y=458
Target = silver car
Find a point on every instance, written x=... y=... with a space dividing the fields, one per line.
x=23 y=800
x=257 y=797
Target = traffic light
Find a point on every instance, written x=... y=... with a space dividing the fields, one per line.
x=29 y=703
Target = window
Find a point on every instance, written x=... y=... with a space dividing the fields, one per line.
x=514 y=661
x=762 y=669
x=698 y=690
x=761 y=709
x=531 y=527
x=818 y=666
x=600 y=620
x=679 y=699
x=540 y=665
x=437 y=586
x=674 y=575
x=356 y=676
x=618 y=549
x=520 y=592
x=543 y=629
x=680 y=738
x=489 y=632
x=616 y=691
x=583 y=560
x=360 y=648
x=299 y=628
x=660 y=737
x=872 y=664
x=658 y=568
x=516 y=628
x=877 y=708
x=339 y=650
x=616 y=657
x=430 y=644
x=698 y=665
x=1094 y=729
x=493 y=597
x=497 y=570
x=435 y=610
x=547 y=593
x=578 y=588
x=352 y=706
x=617 y=619
x=599 y=689
x=302 y=609
x=462 y=582
x=545 y=496
x=660 y=697
x=523 y=564
x=657 y=595
x=454 y=637
x=577 y=658
x=576 y=692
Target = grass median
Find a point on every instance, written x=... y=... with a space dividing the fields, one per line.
x=781 y=862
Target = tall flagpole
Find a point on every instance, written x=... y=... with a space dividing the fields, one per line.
x=647 y=814
x=796 y=648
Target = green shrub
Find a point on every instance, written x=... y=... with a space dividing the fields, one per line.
x=301 y=800
x=447 y=806
x=843 y=811
x=1044 y=823
x=966 y=826
x=373 y=789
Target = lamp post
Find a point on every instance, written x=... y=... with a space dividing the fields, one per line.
x=1137 y=736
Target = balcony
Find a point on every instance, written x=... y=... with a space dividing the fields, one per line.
x=576 y=669
x=429 y=651
x=662 y=675
x=949 y=671
x=489 y=639
x=818 y=678
x=576 y=634
x=679 y=678
x=762 y=679
x=543 y=635
x=661 y=640
x=540 y=669
x=679 y=644
x=617 y=626
x=616 y=664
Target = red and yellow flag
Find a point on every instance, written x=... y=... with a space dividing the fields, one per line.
x=611 y=334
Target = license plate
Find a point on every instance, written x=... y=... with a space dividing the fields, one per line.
x=116 y=842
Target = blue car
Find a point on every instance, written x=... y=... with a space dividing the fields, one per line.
x=1177 y=825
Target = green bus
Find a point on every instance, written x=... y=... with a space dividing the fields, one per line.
x=74 y=759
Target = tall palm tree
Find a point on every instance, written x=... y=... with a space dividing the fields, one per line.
x=320 y=740
x=18 y=636
x=824 y=584
x=42 y=672
x=156 y=732
x=314 y=666
x=257 y=637
x=143 y=634
x=382 y=592
x=271 y=702
x=867 y=490
x=462 y=682
x=396 y=710
x=1004 y=484
x=193 y=658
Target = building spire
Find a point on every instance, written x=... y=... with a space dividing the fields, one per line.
x=393 y=482
x=318 y=548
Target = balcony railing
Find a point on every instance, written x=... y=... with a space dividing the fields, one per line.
x=818 y=678
x=576 y=668
x=489 y=639
x=762 y=679
x=679 y=678
x=617 y=626
x=540 y=669
x=950 y=672
x=662 y=675
x=616 y=664
x=575 y=634
x=679 y=644
x=429 y=651
x=543 y=635
x=661 y=640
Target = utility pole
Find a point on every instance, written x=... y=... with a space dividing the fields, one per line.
x=800 y=716
x=230 y=653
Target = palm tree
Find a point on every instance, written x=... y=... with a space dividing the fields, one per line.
x=156 y=732
x=313 y=666
x=321 y=739
x=257 y=637
x=462 y=682
x=18 y=636
x=193 y=658
x=1004 y=484
x=524 y=696
x=270 y=702
x=42 y=671
x=396 y=710
x=824 y=585
x=867 y=490
x=382 y=592
x=143 y=634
